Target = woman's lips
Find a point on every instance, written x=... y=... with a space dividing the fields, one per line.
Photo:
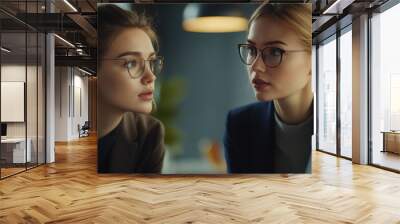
x=260 y=84
x=146 y=96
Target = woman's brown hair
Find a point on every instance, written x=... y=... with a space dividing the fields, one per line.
x=112 y=20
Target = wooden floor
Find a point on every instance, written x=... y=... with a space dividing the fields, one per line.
x=70 y=191
x=5 y=172
x=10 y=171
x=387 y=159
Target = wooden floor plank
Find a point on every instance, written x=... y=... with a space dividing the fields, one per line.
x=70 y=191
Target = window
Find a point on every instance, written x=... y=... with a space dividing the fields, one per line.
x=327 y=96
x=22 y=66
x=346 y=93
x=385 y=89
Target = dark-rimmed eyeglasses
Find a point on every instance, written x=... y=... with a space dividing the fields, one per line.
x=272 y=56
x=136 y=65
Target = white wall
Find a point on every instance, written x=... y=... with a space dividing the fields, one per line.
x=61 y=103
x=12 y=73
x=79 y=102
x=16 y=73
x=33 y=126
x=70 y=83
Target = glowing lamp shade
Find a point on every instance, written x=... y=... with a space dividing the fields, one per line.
x=206 y=18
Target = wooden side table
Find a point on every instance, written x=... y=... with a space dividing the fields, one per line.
x=391 y=141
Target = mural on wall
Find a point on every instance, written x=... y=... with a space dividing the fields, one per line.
x=168 y=100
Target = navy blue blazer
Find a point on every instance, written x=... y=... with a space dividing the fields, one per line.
x=249 y=138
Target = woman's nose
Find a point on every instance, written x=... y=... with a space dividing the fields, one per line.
x=148 y=76
x=258 y=64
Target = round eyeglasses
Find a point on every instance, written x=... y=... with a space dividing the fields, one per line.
x=272 y=56
x=137 y=65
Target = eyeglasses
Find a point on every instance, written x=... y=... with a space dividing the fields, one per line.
x=272 y=56
x=136 y=65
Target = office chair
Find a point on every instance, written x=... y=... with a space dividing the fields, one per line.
x=84 y=130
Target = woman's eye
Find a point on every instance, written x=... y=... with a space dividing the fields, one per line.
x=275 y=51
x=253 y=51
x=131 y=63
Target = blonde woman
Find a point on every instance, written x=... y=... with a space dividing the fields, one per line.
x=274 y=135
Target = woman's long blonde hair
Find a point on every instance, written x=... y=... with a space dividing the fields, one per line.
x=297 y=16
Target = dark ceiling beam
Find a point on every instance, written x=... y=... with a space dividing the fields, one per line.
x=328 y=13
x=320 y=23
x=79 y=19
x=92 y=52
x=84 y=24
x=16 y=18
x=203 y=1
x=91 y=6
x=82 y=61
x=48 y=22
x=64 y=7
x=337 y=7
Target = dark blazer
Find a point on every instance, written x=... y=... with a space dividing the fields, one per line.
x=136 y=145
x=249 y=139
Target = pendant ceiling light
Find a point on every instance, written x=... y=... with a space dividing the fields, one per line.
x=207 y=18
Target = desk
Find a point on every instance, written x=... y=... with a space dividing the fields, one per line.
x=391 y=141
x=13 y=150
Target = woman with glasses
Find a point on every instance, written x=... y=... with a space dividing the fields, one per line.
x=274 y=135
x=129 y=139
